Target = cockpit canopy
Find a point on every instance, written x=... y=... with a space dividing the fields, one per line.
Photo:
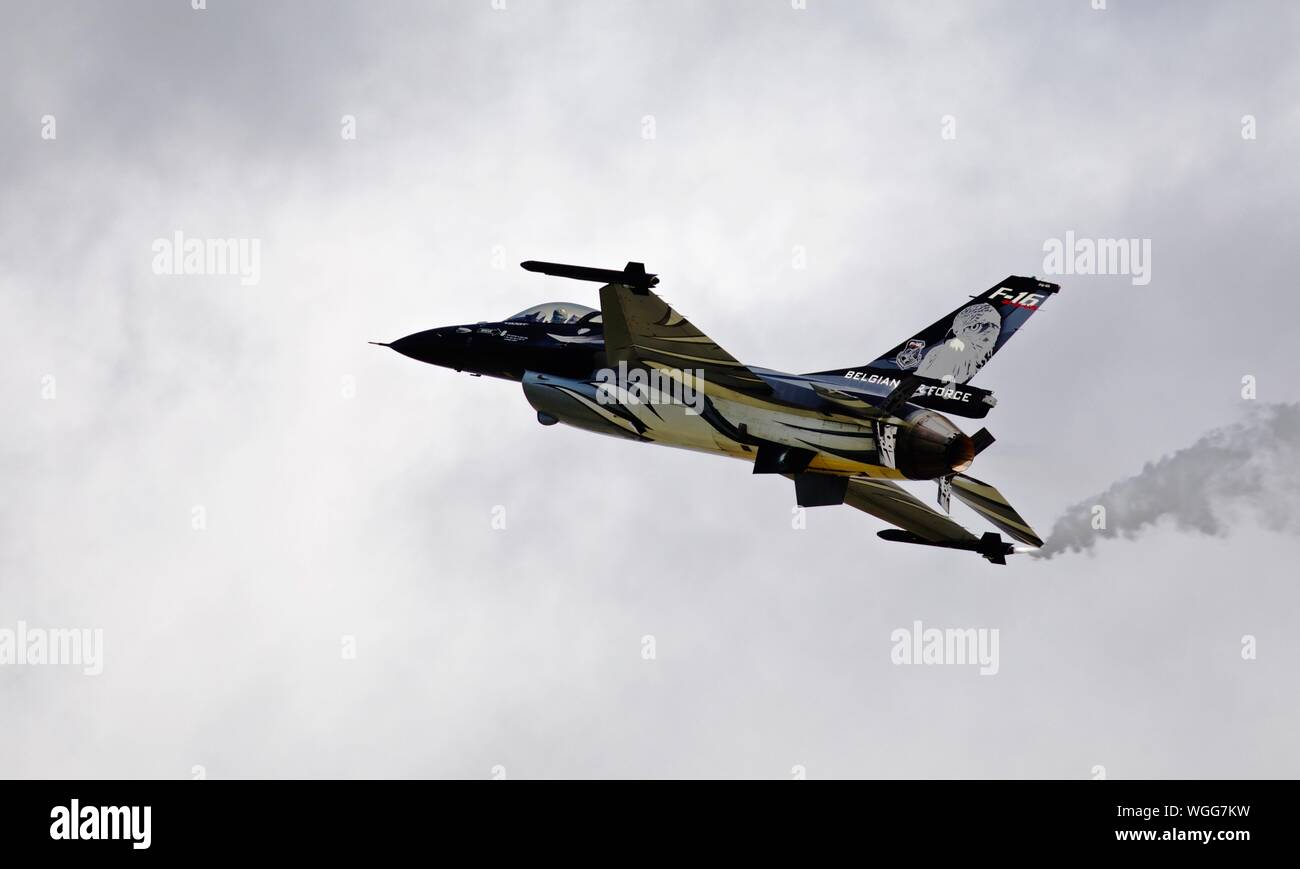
x=556 y=312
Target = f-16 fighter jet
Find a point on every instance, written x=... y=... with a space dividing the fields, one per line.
x=639 y=370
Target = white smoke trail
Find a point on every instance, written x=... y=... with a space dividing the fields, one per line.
x=1248 y=472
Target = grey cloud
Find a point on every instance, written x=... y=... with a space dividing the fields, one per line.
x=370 y=516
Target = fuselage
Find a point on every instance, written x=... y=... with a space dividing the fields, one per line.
x=557 y=352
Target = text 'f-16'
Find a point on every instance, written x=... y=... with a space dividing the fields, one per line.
x=637 y=369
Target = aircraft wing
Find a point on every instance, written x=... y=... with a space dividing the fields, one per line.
x=642 y=328
x=894 y=504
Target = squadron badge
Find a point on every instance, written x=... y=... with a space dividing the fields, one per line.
x=910 y=357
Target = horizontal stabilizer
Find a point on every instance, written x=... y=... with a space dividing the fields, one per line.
x=887 y=500
x=918 y=523
x=993 y=506
x=882 y=393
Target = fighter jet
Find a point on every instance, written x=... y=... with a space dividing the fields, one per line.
x=638 y=369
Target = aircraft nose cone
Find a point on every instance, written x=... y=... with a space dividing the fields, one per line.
x=418 y=345
x=435 y=346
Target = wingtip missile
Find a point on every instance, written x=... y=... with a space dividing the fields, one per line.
x=990 y=545
x=632 y=275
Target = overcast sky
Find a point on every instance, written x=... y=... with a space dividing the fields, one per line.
x=349 y=492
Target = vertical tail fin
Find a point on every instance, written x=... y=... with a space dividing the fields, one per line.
x=957 y=346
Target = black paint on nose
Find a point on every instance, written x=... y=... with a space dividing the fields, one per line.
x=447 y=347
